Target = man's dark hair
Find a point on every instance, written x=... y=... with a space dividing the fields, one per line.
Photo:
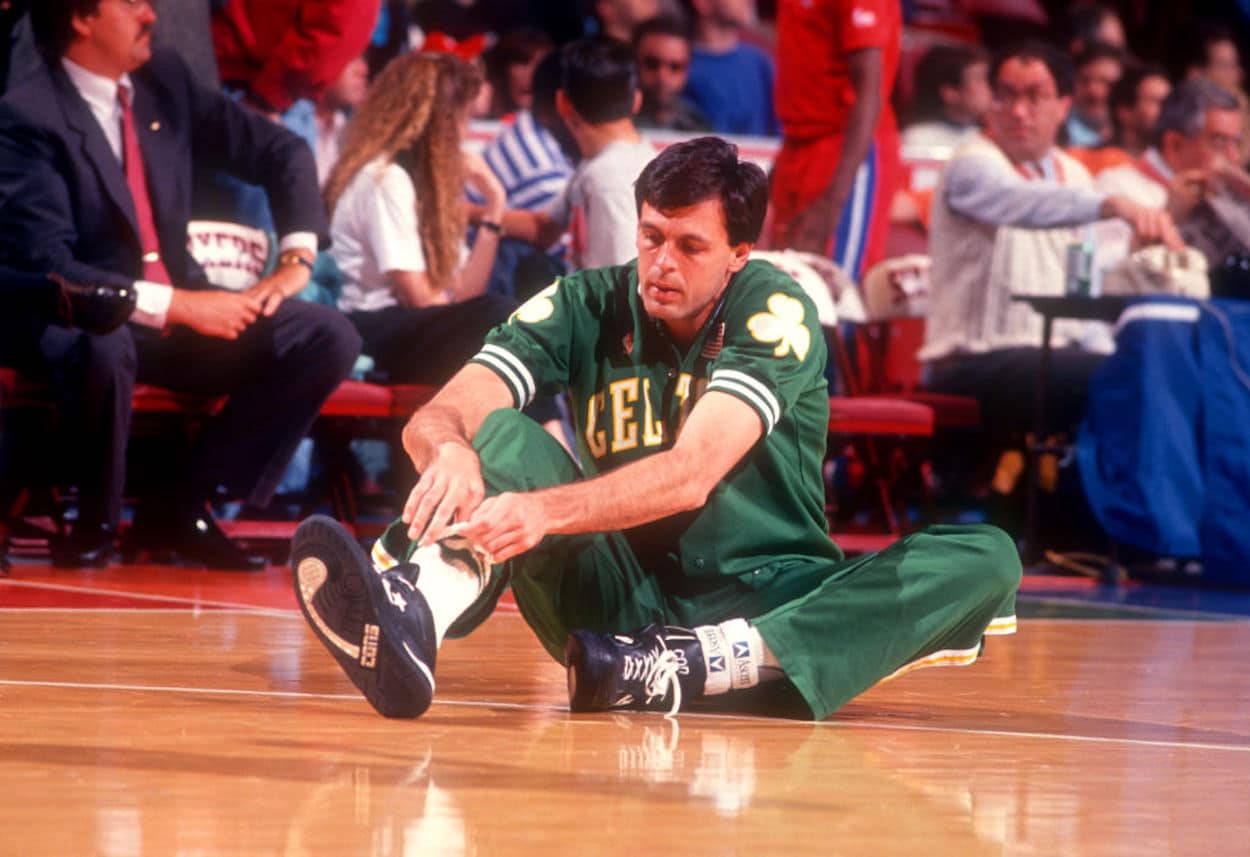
x=941 y=65
x=52 y=23
x=600 y=79
x=663 y=25
x=515 y=47
x=1185 y=108
x=1095 y=52
x=1057 y=63
x=704 y=168
x=548 y=75
x=1124 y=93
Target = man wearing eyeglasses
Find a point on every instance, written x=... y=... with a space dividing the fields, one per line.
x=1191 y=169
x=1006 y=209
x=97 y=151
x=662 y=49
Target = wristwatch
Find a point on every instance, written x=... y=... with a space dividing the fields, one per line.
x=294 y=257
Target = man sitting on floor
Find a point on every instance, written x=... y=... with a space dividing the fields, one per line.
x=692 y=556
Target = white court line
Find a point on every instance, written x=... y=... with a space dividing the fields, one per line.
x=140 y=596
x=771 y=721
x=1144 y=610
x=191 y=603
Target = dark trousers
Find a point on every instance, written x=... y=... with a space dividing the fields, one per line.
x=276 y=375
x=1005 y=383
x=427 y=345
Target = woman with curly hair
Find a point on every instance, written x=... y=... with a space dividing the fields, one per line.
x=398 y=217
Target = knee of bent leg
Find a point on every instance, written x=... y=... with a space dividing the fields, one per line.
x=339 y=341
x=109 y=353
x=993 y=560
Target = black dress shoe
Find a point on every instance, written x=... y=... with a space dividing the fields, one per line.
x=97 y=308
x=89 y=546
x=194 y=541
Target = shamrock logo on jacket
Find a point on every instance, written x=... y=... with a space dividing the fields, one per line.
x=782 y=324
x=539 y=307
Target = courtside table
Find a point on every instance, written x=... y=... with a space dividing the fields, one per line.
x=1104 y=308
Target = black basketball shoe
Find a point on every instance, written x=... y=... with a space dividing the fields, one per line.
x=377 y=626
x=651 y=670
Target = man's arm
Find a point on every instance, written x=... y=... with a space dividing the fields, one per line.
x=985 y=191
x=438 y=439
x=988 y=192
x=534 y=226
x=718 y=433
x=810 y=231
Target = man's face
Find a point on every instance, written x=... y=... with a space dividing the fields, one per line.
x=1027 y=110
x=1093 y=85
x=348 y=91
x=663 y=65
x=1220 y=138
x=685 y=261
x=972 y=98
x=116 y=38
x=520 y=78
x=1141 y=118
x=1224 y=65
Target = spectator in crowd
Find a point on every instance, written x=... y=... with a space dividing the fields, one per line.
x=396 y=198
x=1193 y=170
x=470 y=50
x=662 y=51
x=96 y=159
x=1090 y=24
x=510 y=69
x=276 y=53
x=1003 y=216
x=1098 y=67
x=597 y=100
x=838 y=167
x=1135 y=101
x=1211 y=53
x=731 y=81
x=616 y=19
x=951 y=97
x=321 y=122
x=528 y=157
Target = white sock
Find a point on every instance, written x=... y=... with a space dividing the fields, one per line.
x=452 y=577
x=733 y=653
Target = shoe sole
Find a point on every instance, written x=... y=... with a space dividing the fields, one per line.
x=334 y=580
x=582 y=685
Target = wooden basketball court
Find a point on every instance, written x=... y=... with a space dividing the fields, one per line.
x=152 y=711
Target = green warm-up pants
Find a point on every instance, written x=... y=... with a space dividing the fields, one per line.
x=836 y=626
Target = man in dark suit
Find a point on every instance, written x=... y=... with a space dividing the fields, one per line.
x=97 y=152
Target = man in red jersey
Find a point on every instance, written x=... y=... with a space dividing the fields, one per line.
x=839 y=159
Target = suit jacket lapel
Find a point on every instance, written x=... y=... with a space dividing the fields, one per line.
x=158 y=148
x=95 y=148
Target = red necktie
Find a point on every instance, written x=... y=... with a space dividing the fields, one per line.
x=153 y=267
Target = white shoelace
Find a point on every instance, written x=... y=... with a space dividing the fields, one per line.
x=658 y=672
